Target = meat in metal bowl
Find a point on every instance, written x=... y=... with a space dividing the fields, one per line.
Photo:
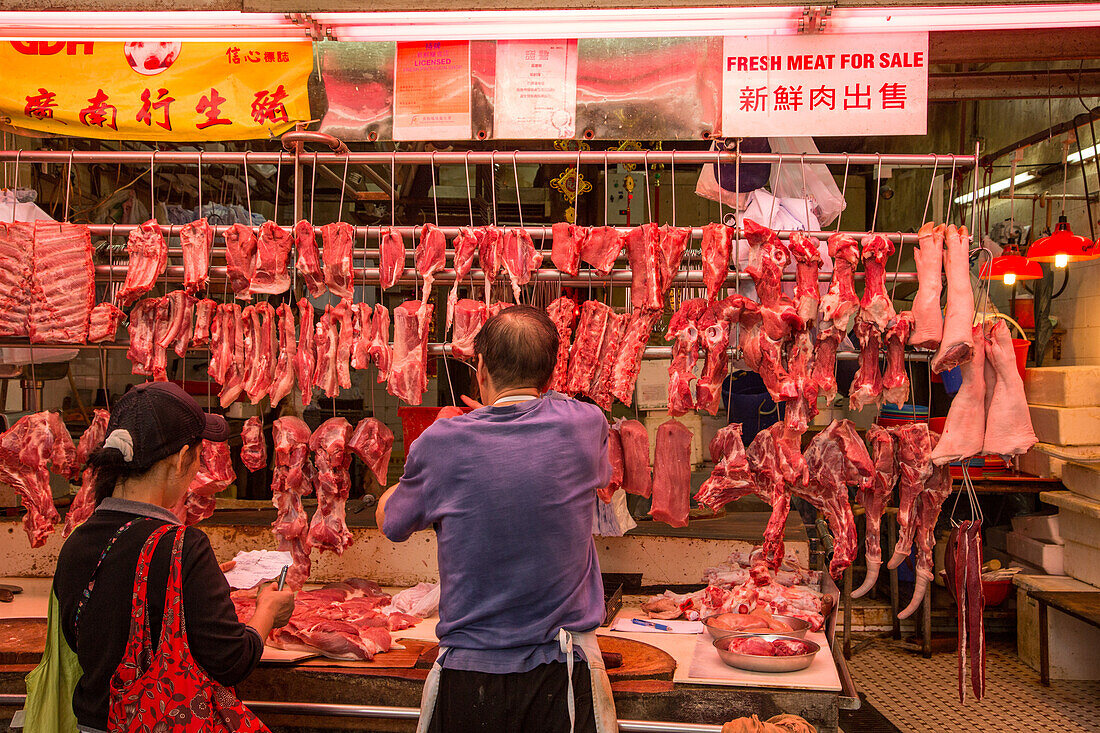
x=720 y=626
x=766 y=652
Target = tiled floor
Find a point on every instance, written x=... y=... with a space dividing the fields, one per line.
x=918 y=694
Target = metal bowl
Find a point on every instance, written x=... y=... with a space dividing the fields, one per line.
x=799 y=628
x=757 y=663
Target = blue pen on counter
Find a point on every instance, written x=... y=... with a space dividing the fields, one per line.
x=659 y=627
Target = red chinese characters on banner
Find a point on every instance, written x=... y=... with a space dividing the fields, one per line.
x=96 y=113
x=233 y=56
x=210 y=107
x=162 y=103
x=792 y=98
x=269 y=107
x=40 y=106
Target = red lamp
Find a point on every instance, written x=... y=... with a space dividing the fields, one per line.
x=1063 y=247
x=1010 y=267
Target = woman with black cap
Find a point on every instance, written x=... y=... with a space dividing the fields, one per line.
x=149 y=458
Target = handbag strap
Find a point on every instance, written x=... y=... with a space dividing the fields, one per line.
x=174 y=624
x=138 y=642
x=95 y=572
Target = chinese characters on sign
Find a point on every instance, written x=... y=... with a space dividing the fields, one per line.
x=431 y=95
x=536 y=92
x=825 y=85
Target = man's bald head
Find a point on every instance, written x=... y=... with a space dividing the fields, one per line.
x=520 y=348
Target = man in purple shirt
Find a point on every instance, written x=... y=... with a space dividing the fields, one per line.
x=510 y=490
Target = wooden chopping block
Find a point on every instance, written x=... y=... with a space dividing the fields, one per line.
x=22 y=640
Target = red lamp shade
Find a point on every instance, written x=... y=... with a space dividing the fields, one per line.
x=1063 y=246
x=1010 y=268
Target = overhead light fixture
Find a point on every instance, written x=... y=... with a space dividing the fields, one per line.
x=1086 y=154
x=996 y=187
x=1063 y=247
x=1009 y=267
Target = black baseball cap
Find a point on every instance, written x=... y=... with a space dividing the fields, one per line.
x=161 y=419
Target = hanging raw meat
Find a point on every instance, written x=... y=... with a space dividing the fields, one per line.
x=807 y=294
x=637 y=472
x=327 y=529
x=283 y=379
x=716 y=246
x=393 y=257
x=344 y=317
x=36 y=445
x=520 y=259
x=16 y=278
x=763 y=354
x=337 y=246
x=103 y=323
x=731 y=477
x=143 y=324
x=240 y=259
x=683 y=331
x=196 y=239
x=260 y=372
x=372 y=441
x=326 y=346
x=715 y=341
x=431 y=257
x=802 y=409
x=615 y=458
x=305 y=357
x=381 y=354
x=643 y=252
x=84 y=502
x=929 y=502
x=600 y=388
x=957 y=345
x=963 y=563
x=876 y=306
x=489 y=253
x=768 y=257
x=470 y=316
x=215 y=475
x=775 y=457
x=204 y=317
x=840 y=305
x=177 y=336
x=272 y=252
x=964 y=430
x=408 y=374
x=628 y=362
x=874 y=497
x=563 y=312
x=927 y=316
x=253 y=445
x=64 y=283
x=672 y=474
x=565 y=252
x=465 y=245
x=583 y=360
x=867 y=384
x=227 y=352
x=895 y=380
x=309 y=258
x=914 y=443
x=824 y=370
x=363 y=330
x=292 y=479
x=148 y=257
x=671 y=245
x=1008 y=430
x=600 y=247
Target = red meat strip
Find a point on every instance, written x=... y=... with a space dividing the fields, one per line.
x=520 y=259
x=272 y=252
x=148 y=257
x=240 y=259
x=929 y=503
x=430 y=256
x=927 y=316
x=262 y=357
x=840 y=305
x=671 y=245
x=672 y=474
x=282 y=382
x=643 y=251
x=253 y=445
x=876 y=306
x=465 y=245
x=802 y=409
x=563 y=312
x=470 y=316
x=215 y=475
x=372 y=441
x=327 y=345
x=807 y=294
x=408 y=375
x=327 y=529
x=103 y=323
x=731 y=477
x=895 y=380
x=768 y=257
x=565 y=252
x=344 y=317
x=683 y=331
x=178 y=334
x=64 y=284
x=824 y=370
x=583 y=360
x=615 y=458
x=227 y=344
x=637 y=472
x=490 y=251
x=914 y=445
x=143 y=321
x=775 y=457
x=716 y=246
x=305 y=358
x=84 y=502
x=29 y=450
x=292 y=479
x=309 y=258
x=381 y=354
x=196 y=239
x=600 y=247
x=393 y=257
x=204 y=317
x=1008 y=430
x=957 y=344
x=867 y=384
x=874 y=497
x=338 y=241
x=600 y=389
x=16 y=278
x=628 y=362
x=715 y=332
x=360 y=349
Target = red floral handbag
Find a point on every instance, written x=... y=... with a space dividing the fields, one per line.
x=163 y=688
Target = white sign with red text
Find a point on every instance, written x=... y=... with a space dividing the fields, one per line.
x=821 y=84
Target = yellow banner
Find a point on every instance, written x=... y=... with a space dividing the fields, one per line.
x=176 y=90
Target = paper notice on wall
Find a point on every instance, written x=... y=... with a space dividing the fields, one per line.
x=536 y=90
x=431 y=91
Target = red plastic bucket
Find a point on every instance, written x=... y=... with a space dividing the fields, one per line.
x=1024 y=312
x=415 y=420
x=1020 y=346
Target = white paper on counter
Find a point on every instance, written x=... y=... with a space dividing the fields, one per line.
x=256 y=566
x=674 y=627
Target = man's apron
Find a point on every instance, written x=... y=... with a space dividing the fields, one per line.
x=602 y=702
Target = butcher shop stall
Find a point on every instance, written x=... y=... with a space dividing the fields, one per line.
x=829 y=271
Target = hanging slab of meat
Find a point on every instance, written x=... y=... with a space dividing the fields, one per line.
x=913 y=445
x=360 y=348
x=874 y=497
x=227 y=353
x=731 y=478
x=802 y=409
x=683 y=331
x=840 y=305
x=103 y=323
x=764 y=355
x=158 y=369
x=637 y=472
x=272 y=252
x=929 y=503
x=308 y=261
x=716 y=246
x=489 y=254
x=29 y=450
x=260 y=372
x=408 y=375
x=240 y=259
x=643 y=252
x=464 y=245
x=600 y=247
x=895 y=380
x=292 y=479
x=143 y=321
x=807 y=295
x=326 y=345
x=876 y=306
x=344 y=317
x=337 y=244
x=672 y=244
x=628 y=362
x=715 y=341
x=824 y=370
x=672 y=474
x=565 y=252
x=204 y=317
x=615 y=458
x=1008 y=430
x=775 y=457
x=600 y=389
x=927 y=316
x=768 y=257
x=282 y=381
x=253 y=445
x=964 y=430
x=64 y=284
x=563 y=312
x=431 y=257
x=84 y=502
x=470 y=316
x=957 y=345
x=177 y=336
x=393 y=257
x=867 y=384
x=381 y=354
x=215 y=475
x=148 y=257
x=372 y=441
x=583 y=360
x=305 y=357
x=16 y=278
x=963 y=562
x=196 y=239
x=327 y=529
x=520 y=259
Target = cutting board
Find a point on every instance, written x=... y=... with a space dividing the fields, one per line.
x=394 y=659
x=640 y=661
x=22 y=640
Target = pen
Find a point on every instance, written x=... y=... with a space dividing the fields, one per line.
x=282 y=576
x=659 y=627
